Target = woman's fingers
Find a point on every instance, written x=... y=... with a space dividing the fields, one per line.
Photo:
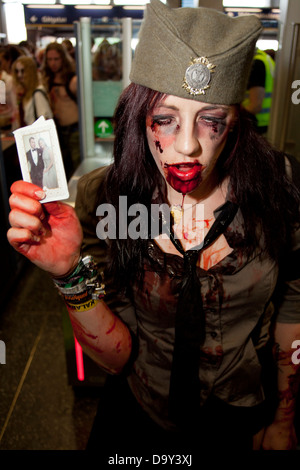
x=26 y=230
x=22 y=239
x=25 y=197
x=18 y=201
x=21 y=219
x=24 y=202
x=28 y=189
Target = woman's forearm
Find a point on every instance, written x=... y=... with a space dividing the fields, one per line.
x=102 y=336
x=288 y=372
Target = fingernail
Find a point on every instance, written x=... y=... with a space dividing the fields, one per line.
x=40 y=194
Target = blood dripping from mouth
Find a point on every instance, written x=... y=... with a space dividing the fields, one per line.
x=181 y=184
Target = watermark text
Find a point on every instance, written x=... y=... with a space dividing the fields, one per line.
x=296 y=354
x=296 y=94
x=2 y=92
x=137 y=221
x=2 y=352
x=155 y=459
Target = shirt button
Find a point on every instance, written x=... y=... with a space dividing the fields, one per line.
x=213 y=334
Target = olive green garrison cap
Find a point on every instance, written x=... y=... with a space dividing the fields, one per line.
x=195 y=53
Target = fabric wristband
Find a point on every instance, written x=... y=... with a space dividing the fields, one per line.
x=83 y=288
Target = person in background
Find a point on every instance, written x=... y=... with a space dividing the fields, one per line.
x=49 y=175
x=68 y=45
x=8 y=102
x=107 y=62
x=35 y=162
x=39 y=57
x=28 y=48
x=259 y=91
x=60 y=80
x=8 y=55
x=193 y=305
x=31 y=94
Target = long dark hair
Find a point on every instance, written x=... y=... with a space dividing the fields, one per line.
x=68 y=68
x=268 y=200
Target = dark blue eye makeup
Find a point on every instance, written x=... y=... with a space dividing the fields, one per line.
x=161 y=120
x=213 y=120
x=217 y=123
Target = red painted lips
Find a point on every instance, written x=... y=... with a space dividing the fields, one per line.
x=184 y=177
x=185 y=171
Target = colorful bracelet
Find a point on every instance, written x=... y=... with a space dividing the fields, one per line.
x=84 y=287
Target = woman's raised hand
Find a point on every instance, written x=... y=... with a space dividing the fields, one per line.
x=49 y=234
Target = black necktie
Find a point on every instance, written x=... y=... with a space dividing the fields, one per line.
x=184 y=398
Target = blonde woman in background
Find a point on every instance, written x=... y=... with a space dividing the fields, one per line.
x=31 y=95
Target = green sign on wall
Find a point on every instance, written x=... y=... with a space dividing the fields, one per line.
x=103 y=128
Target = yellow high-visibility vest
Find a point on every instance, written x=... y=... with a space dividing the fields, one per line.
x=263 y=117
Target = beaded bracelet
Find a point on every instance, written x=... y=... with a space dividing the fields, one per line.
x=84 y=287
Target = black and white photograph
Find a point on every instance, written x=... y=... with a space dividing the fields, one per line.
x=40 y=158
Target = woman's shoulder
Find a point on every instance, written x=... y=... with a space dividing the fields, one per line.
x=73 y=84
x=40 y=88
x=6 y=78
x=91 y=188
x=292 y=167
x=94 y=178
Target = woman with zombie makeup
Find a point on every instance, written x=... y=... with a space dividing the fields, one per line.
x=193 y=309
x=31 y=95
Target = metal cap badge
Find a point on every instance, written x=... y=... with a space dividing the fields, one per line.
x=198 y=76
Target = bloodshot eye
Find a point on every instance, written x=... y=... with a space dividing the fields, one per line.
x=162 y=120
x=212 y=121
x=217 y=125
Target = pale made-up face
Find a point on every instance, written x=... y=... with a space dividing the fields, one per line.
x=20 y=71
x=186 y=138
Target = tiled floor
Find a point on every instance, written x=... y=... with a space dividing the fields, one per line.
x=39 y=409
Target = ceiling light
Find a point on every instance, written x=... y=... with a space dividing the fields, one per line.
x=245 y=10
x=39 y=2
x=46 y=7
x=247 y=3
x=93 y=7
x=85 y=2
x=15 y=22
x=134 y=7
x=131 y=2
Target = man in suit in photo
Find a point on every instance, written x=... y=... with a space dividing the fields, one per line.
x=36 y=163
